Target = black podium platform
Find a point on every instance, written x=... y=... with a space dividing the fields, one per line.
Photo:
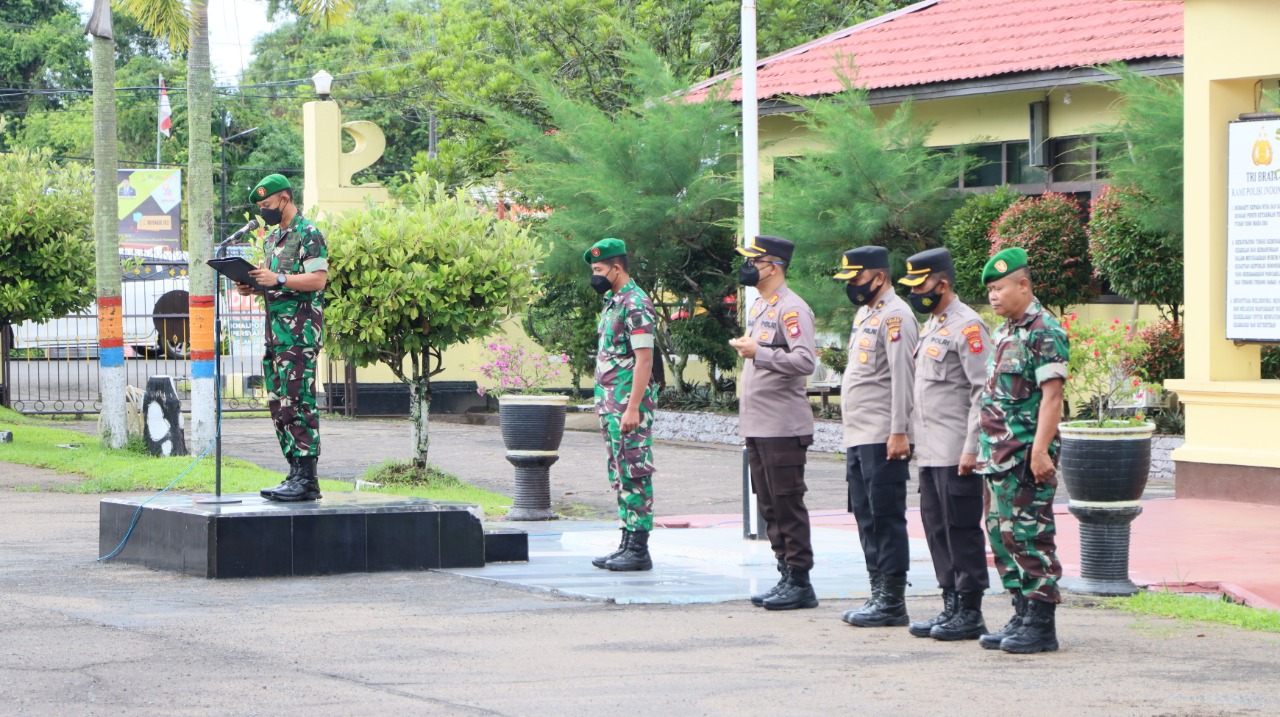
x=343 y=533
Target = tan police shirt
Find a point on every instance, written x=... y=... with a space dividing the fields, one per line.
x=951 y=370
x=773 y=402
x=878 y=382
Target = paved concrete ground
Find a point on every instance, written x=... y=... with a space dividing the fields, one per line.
x=691 y=478
x=107 y=639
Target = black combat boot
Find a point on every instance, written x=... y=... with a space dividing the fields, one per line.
x=877 y=583
x=785 y=571
x=795 y=592
x=992 y=640
x=303 y=488
x=622 y=545
x=921 y=629
x=967 y=623
x=890 y=610
x=293 y=473
x=1039 y=633
x=635 y=556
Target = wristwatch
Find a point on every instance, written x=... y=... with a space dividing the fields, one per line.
x=281 y=278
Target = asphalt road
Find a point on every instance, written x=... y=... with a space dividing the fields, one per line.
x=83 y=638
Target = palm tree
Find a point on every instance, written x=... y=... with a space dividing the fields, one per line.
x=183 y=25
x=106 y=239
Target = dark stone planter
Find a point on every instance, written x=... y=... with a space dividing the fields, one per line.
x=1105 y=470
x=532 y=427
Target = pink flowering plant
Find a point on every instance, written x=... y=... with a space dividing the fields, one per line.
x=1099 y=370
x=513 y=368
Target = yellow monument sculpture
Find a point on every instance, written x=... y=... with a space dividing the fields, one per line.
x=327 y=170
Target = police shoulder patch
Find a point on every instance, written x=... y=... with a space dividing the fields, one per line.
x=894 y=324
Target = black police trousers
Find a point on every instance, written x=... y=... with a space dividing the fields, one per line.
x=777 y=479
x=878 y=501
x=951 y=510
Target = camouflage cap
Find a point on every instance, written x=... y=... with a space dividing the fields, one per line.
x=269 y=185
x=1004 y=263
x=605 y=249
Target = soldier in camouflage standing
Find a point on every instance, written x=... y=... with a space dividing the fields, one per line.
x=775 y=418
x=1017 y=451
x=626 y=399
x=951 y=369
x=296 y=269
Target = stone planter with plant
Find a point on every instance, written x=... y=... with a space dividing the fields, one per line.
x=1105 y=459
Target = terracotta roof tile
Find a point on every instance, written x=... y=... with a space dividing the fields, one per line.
x=950 y=40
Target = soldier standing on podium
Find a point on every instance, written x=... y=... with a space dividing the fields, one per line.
x=774 y=417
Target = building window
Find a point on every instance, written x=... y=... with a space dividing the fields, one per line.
x=1074 y=159
x=989 y=170
x=1020 y=169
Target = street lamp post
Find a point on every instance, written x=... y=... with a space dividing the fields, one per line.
x=223 y=142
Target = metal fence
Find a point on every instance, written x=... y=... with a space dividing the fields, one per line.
x=52 y=367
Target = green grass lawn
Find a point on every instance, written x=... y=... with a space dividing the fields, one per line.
x=1197 y=609
x=131 y=469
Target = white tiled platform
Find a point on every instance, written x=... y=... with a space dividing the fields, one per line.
x=691 y=565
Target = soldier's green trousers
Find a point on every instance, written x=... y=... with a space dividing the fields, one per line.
x=289 y=377
x=631 y=468
x=1021 y=529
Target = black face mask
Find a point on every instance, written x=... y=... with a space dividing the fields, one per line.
x=271 y=216
x=601 y=283
x=863 y=294
x=925 y=303
x=749 y=274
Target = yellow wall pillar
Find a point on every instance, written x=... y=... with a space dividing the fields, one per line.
x=1231 y=452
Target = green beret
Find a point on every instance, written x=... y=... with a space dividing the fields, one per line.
x=1005 y=262
x=605 y=249
x=269 y=185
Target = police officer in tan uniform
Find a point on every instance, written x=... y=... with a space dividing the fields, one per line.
x=774 y=416
x=876 y=399
x=951 y=369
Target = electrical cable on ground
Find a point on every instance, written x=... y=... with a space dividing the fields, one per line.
x=138 y=513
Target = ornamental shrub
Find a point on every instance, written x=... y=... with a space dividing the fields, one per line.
x=1162 y=358
x=967 y=234
x=1139 y=265
x=1050 y=229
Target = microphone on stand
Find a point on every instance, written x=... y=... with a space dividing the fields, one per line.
x=248 y=227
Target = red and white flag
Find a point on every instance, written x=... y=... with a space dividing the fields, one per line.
x=166 y=113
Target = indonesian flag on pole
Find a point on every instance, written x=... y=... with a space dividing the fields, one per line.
x=166 y=113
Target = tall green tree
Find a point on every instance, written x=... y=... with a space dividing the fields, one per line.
x=42 y=50
x=46 y=238
x=409 y=280
x=655 y=174
x=871 y=182
x=1143 y=150
x=184 y=25
x=111 y=377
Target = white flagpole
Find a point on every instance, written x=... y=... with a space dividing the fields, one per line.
x=159 y=109
x=751 y=523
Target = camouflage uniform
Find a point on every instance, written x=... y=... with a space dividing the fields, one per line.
x=294 y=335
x=1020 y=525
x=626 y=323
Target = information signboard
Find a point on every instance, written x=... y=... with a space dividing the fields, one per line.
x=1253 y=231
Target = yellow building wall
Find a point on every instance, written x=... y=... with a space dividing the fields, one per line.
x=1001 y=117
x=1231 y=412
